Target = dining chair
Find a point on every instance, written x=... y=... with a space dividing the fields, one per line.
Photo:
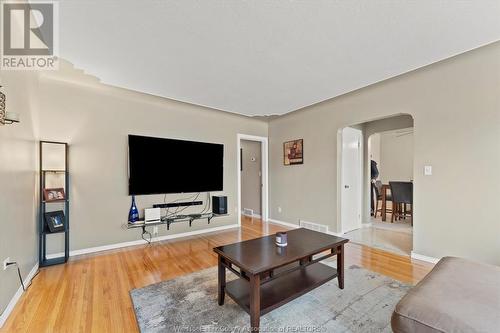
x=402 y=196
x=379 y=197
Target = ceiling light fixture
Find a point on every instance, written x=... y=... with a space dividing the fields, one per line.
x=6 y=118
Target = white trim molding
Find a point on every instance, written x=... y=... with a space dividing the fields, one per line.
x=296 y=226
x=421 y=257
x=141 y=242
x=27 y=281
x=258 y=216
x=265 y=172
x=335 y=234
x=286 y=224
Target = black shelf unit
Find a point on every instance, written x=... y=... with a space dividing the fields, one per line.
x=45 y=206
x=168 y=221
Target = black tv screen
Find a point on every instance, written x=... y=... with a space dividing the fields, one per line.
x=160 y=166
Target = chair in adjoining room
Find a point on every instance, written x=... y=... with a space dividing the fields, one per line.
x=402 y=200
x=379 y=197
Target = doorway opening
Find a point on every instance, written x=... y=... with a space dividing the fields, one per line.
x=252 y=177
x=387 y=185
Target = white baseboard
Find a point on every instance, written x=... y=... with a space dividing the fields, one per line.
x=17 y=296
x=258 y=216
x=421 y=257
x=286 y=224
x=338 y=234
x=296 y=226
x=140 y=242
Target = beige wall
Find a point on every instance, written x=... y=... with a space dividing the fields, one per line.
x=251 y=176
x=374 y=147
x=456 y=109
x=18 y=178
x=396 y=157
x=95 y=120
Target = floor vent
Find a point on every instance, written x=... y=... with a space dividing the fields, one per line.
x=314 y=226
x=248 y=212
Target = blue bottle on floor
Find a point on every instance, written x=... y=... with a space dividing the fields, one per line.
x=133 y=214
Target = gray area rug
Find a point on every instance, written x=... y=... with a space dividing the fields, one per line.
x=189 y=304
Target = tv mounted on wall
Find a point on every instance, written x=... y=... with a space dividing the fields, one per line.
x=160 y=166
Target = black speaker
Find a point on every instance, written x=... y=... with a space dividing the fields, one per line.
x=219 y=205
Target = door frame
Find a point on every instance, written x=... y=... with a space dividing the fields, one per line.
x=340 y=140
x=265 y=173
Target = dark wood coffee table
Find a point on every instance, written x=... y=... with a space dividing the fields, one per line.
x=270 y=276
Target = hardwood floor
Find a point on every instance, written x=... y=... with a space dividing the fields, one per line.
x=91 y=293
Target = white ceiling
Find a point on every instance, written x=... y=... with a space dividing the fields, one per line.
x=266 y=57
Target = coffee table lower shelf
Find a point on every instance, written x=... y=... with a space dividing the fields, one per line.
x=283 y=289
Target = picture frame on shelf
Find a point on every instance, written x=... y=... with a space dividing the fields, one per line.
x=53 y=194
x=55 y=220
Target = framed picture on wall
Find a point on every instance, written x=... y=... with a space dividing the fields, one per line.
x=293 y=152
x=53 y=194
x=55 y=220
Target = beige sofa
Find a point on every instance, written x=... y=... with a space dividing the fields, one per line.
x=458 y=295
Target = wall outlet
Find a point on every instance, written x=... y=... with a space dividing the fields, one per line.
x=5 y=263
x=428 y=170
x=155 y=230
x=279 y=209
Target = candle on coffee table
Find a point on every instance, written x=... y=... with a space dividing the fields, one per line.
x=281 y=238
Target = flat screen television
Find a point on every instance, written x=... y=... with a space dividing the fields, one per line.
x=160 y=166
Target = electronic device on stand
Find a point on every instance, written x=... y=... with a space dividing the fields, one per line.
x=219 y=205
x=171 y=219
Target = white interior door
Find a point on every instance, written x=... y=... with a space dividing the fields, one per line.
x=351 y=179
x=264 y=174
x=251 y=177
